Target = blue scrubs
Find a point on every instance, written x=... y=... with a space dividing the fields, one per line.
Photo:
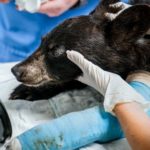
x=21 y=32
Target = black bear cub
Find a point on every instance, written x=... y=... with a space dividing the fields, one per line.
x=120 y=45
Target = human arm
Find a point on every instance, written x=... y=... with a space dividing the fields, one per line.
x=56 y=7
x=52 y=8
x=120 y=99
x=135 y=124
x=4 y=1
x=134 y=113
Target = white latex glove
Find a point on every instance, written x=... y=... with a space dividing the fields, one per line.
x=31 y=6
x=114 y=89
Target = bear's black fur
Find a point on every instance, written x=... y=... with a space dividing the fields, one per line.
x=119 y=45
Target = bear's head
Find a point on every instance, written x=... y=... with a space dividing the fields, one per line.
x=114 y=44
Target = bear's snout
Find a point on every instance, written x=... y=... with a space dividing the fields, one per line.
x=31 y=73
x=18 y=72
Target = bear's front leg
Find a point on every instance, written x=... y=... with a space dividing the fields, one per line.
x=43 y=92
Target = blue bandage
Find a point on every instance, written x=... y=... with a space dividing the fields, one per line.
x=77 y=129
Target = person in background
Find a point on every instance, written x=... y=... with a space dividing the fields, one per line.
x=22 y=31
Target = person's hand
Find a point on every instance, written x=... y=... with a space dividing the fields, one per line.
x=114 y=89
x=4 y=1
x=55 y=8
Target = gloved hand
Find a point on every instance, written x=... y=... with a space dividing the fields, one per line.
x=31 y=6
x=114 y=89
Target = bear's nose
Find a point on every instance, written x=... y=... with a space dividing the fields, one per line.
x=18 y=72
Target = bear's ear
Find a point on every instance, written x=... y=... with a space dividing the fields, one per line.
x=131 y=25
x=104 y=6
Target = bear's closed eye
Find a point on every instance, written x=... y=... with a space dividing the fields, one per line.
x=56 y=51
